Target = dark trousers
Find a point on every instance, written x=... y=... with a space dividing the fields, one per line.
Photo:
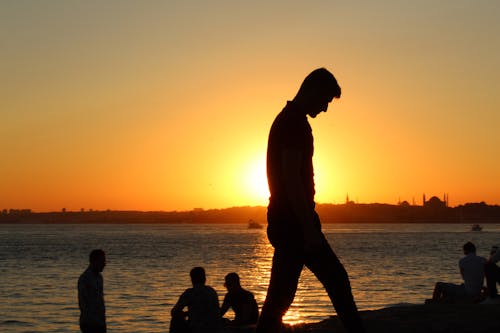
x=492 y=273
x=85 y=328
x=285 y=273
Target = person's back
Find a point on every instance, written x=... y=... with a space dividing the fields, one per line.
x=202 y=302
x=472 y=268
x=203 y=307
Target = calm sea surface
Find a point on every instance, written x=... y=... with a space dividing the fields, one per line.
x=148 y=268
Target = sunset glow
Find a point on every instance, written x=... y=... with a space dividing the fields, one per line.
x=167 y=105
x=256 y=182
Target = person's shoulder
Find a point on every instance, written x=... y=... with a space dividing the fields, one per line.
x=187 y=294
x=472 y=258
x=211 y=290
x=86 y=275
x=248 y=293
x=475 y=257
x=289 y=115
x=188 y=291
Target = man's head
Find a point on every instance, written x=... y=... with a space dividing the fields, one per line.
x=97 y=260
x=232 y=281
x=318 y=89
x=198 y=275
x=469 y=248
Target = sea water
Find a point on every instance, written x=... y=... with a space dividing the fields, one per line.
x=148 y=268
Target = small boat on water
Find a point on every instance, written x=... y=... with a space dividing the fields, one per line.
x=476 y=227
x=254 y=225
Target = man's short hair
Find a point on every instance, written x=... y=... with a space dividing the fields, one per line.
x=469 y=247
x=320 y=81
x=95 y=255
x=198 y=275
x=232 y=279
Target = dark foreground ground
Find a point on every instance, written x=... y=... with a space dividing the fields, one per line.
x=429 y=318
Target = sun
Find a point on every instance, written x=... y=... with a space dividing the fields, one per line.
x=255 y=182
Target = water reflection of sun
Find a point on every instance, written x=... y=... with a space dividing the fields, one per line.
x=293 y=316
x=264 y=255
x=263 y=252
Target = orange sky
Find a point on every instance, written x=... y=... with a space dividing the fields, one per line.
x=166 y=105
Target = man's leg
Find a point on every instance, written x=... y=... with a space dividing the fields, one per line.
x=179 y=323
x=92 y=328
x=332 y=274
x=437 y=295
x=285 y=275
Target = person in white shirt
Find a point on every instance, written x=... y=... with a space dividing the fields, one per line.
x=492 y=273
x=472 y=271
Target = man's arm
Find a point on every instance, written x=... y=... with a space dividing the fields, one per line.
x=291 y=165
x=461 y=268
x=225 y=306
x=178 y=309
x=83 y=297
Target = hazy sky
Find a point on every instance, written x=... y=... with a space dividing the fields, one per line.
x=166 y=105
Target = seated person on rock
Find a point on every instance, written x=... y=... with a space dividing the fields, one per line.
x=202 y=302
x=472 y=271
x=492 y=274
x=246 y=310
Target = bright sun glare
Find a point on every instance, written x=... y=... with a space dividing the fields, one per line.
x=256 y=182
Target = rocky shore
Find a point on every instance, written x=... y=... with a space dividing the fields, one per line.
x=428 y=318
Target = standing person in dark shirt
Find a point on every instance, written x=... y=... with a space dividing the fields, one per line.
x=91 y=295
x=242 y=302
x=294 y=228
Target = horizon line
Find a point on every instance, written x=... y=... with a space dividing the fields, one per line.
x=90 y=210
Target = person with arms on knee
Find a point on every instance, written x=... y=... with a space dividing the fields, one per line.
x=242 y=301
x=472 y=272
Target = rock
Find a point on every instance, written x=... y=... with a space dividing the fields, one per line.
x=428 y=318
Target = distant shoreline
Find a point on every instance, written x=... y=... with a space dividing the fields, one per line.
x=437 y=212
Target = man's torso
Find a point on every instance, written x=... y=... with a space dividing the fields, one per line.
x=244 y=306
x=91 y=298
x=203 y=306
x=472 y=267
x=290 y=131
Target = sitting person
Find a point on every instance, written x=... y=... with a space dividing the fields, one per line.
x=246 y=310
x=492 y=274
x=472 y=271
x=202 y=302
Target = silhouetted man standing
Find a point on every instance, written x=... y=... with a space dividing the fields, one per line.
x=91 y=296
x=294 y=227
